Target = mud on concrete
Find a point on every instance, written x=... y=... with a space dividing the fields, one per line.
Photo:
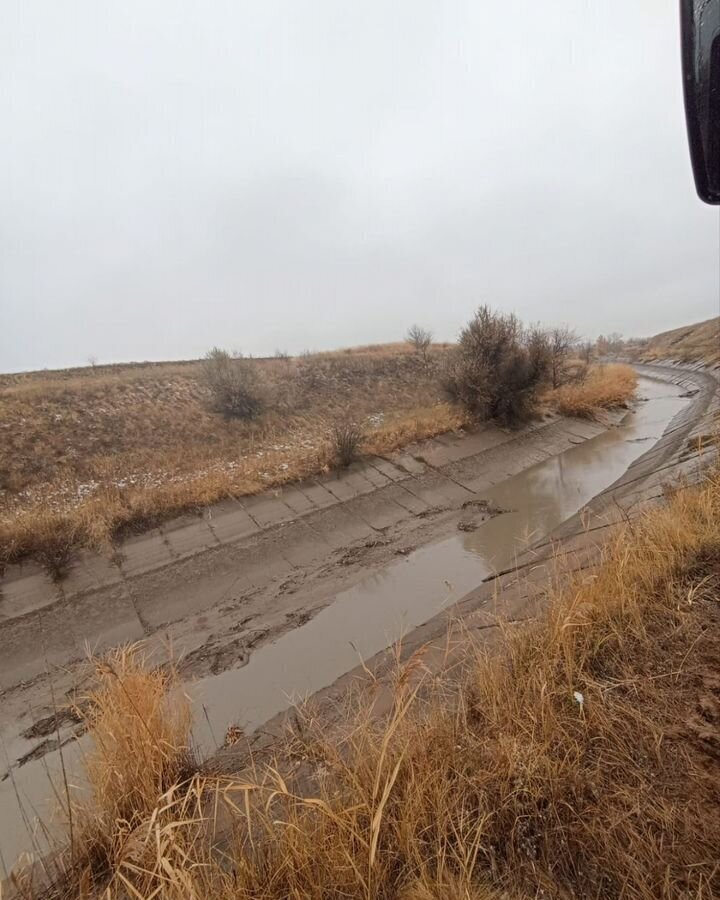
x=209 y=590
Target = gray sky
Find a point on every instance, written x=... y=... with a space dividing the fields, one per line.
x=303 y=174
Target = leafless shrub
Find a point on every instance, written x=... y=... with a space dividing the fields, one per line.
x=496 y=368
x=345 y=440
x=537 y=341
x=561 y=342
x=420 y=339
x=612 y=343
x=233 y=384
x=586 y=350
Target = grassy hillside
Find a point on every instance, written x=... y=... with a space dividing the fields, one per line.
x=699 y=342
x=90 y=453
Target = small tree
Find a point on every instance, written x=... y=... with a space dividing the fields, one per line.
x=537 y=342
x=561 y=341
x=615 y=342
x=233 y=384
x=420 y=339
x=585 y=349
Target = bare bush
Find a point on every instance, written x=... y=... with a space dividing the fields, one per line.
x=233 y=384
x=561 y=342
x=345 y=440
x=497 y=367
x=586 y=350
x=537 y=342
x=612 y=343
x=420 y=339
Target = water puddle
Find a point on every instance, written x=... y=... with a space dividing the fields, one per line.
x=376 y=612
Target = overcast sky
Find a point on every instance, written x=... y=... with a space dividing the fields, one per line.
x=320 y=173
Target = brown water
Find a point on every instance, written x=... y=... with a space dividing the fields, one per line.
x=374 y=613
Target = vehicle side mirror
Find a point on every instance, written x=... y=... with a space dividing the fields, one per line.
x=700 y=31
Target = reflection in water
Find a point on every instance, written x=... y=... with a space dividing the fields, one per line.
x=544 y=496
x=376 y=612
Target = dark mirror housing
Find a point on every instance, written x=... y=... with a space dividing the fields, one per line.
x=700 y=30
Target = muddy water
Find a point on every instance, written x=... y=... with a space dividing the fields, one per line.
x=370 y=616
x=375 y=613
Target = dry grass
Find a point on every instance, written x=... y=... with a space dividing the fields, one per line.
x=140 y=723
x=603 y=388
x=113 y=449
x=579 y=761
x=699 y=342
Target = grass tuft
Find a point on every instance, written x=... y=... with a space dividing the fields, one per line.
x=604 y=387
x=346 y=438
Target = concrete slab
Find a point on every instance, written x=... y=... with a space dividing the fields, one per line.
x=339 y=486
x=317 y=494
x=89 y=572
x=298 y=502
x=405 y=498
x=379 y=511
x=144 y=553
x=105 y=619
x=267 y=510
x=437 y=453
x=339 y=528
x=25 y=589
x=173 y=600
x=193 y=585
x=584 y=428
x=481 y=483
x=358 y=482
x=411 y=465
x=190 y=539
x=36 y=643
x=303 y=546
x=261 y=561
x=232 y=524
x=374 y=476
x=385 y=467
x=436 y=490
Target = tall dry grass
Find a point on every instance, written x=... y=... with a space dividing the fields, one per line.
x=603 y=388
x=140 y=758
x=580 y=760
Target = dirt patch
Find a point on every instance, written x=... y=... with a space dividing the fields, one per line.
x=48 y=725
x=475 y=512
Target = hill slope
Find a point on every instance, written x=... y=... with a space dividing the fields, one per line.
x=699 y=342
